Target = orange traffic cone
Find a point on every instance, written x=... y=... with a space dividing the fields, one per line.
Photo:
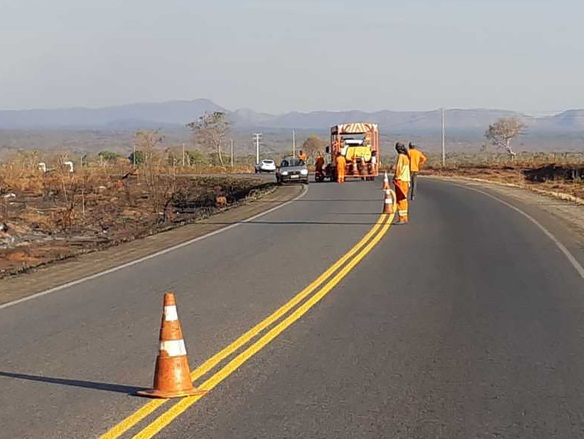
x=388 y=202
x=385 y=182
x=172 y=377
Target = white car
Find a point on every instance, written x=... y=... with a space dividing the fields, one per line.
x=266 y=166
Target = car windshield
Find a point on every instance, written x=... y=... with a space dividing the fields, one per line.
x=268 y=162
x=292 y=162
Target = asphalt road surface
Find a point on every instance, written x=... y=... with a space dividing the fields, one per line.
x=466 y=323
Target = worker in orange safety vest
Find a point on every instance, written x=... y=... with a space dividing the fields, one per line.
x=341 y=166
x=302 y=156
x=417 y=159
x=401 y=181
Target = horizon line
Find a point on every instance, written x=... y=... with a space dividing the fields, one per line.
x=528 y=113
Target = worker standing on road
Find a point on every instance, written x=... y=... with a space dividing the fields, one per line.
x=417 y=159
x=341 y=165
x=302 y=156
x=401 y=181
x=319 y=163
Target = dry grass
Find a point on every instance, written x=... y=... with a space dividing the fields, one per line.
x=551 y=172
x=558 y=172
x=57 y=214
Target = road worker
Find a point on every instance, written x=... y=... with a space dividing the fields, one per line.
x=319 y=162
x=341 y=165
x=417 y=159
x=302 y=156
x=319 y=167
x=401 y=181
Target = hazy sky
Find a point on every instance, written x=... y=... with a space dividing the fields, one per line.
x=282 y=55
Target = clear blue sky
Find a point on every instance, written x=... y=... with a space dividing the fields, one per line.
x=282 y=55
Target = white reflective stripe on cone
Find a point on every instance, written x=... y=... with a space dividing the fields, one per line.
x=170 y=313
x=388 y=201
x=173 y=348
x=403 y=213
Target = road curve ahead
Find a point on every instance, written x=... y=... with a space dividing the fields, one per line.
x=467 y=323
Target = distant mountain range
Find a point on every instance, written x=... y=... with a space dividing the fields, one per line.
x=175 y=114
x=122 y=116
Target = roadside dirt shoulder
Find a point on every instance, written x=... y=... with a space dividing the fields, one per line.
x=70 y=270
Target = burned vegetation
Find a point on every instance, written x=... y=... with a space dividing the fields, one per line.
x=52 y=212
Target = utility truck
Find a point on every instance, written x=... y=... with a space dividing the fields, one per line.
x=359 y=144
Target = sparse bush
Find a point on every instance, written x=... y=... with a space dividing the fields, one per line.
x=108 y=156
x=137 y=158
x=196 y=157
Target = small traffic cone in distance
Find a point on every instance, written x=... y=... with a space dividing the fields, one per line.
x=172 y=377
x=385 y=182
x=388 y=202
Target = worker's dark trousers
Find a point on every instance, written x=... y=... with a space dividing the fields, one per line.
x=413 y=185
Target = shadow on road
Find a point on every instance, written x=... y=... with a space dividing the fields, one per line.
x=375 y=214
x=117 y=388
x=328 y=200
x=293 y=223
x=335 y=200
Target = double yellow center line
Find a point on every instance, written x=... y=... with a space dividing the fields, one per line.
x=320 y=287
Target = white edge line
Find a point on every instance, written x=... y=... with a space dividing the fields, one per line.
x=549 y=234
x=153 y=255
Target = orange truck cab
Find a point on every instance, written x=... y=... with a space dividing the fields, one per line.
x=359 y=144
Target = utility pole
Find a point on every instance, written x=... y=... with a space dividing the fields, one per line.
x=293 y=143
x=443 y=140
x=232 y=153
x=257 y=141
x=183 y=155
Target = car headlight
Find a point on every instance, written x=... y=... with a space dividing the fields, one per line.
x=284 y=172
x=304 y=171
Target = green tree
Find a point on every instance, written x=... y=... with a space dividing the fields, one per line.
x=210 y=131
x=139 y=159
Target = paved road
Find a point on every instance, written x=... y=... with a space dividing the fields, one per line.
x=467 y=323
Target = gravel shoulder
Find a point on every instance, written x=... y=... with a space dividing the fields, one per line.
x=59 y=273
